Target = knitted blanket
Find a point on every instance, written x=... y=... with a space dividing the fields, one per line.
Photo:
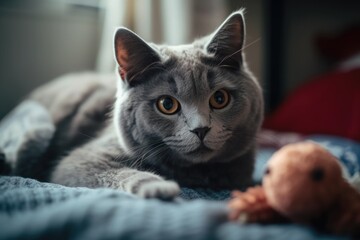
x=35 y=210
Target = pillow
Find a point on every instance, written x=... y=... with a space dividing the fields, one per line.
x=328 y=104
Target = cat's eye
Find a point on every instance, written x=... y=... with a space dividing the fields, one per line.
x=219 y=99
x=168 y=105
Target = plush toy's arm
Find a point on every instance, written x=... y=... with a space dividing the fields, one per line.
x=345 y=216
x=251 y=206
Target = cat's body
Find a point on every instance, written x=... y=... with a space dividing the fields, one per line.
x=186 y=115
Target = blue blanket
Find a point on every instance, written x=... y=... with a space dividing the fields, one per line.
x=34 y=210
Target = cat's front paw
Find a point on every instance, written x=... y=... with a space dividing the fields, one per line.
x=159 y=189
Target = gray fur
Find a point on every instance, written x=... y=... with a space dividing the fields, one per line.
x=24 y=137
x=142 y=143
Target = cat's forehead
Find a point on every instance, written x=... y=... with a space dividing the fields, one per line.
x=184 y=54
x=186 y=74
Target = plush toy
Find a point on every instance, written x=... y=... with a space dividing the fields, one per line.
x=303 y=184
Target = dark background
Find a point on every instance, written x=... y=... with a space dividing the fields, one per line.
x=43 y=39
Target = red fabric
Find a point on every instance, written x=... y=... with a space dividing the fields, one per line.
x=329 y=104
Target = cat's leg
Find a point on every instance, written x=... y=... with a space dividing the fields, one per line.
x=94 y=166
x=141 y=183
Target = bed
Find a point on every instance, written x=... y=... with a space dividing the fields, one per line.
x=30 y=209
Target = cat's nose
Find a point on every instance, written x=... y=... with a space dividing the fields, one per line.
x=201 y=132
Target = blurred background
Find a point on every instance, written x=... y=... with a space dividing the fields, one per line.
x=288 y=42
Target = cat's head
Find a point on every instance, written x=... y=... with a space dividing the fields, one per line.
x=195 y=102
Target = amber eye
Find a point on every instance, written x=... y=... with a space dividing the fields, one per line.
x=168 y=105
x=219 y=99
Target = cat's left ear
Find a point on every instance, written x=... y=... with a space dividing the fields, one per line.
x=133 y=54
x=227 y=41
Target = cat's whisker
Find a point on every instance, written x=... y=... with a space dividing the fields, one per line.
x=159 y=152
x=86 y=135
x=136 y=149
x=150 y=152
x=227 y=66
x=150 y=66
x=251 y=43
x=139 y=149
x=241 y=49
x=145 y=146
x=98 y=155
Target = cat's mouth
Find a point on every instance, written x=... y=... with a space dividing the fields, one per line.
x=194 y=152
x=201 y=150
x=200 y=154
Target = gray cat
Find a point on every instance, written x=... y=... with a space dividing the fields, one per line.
x=184 y=115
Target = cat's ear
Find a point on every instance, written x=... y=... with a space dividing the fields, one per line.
x=227 y=41
x=133 y=55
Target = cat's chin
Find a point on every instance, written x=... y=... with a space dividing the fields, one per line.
x=201 y=154
x=202 y=150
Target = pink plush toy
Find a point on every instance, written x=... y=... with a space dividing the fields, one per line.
x=303 y=183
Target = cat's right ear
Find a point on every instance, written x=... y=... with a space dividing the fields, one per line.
x=133 y=55
x=227 y=41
